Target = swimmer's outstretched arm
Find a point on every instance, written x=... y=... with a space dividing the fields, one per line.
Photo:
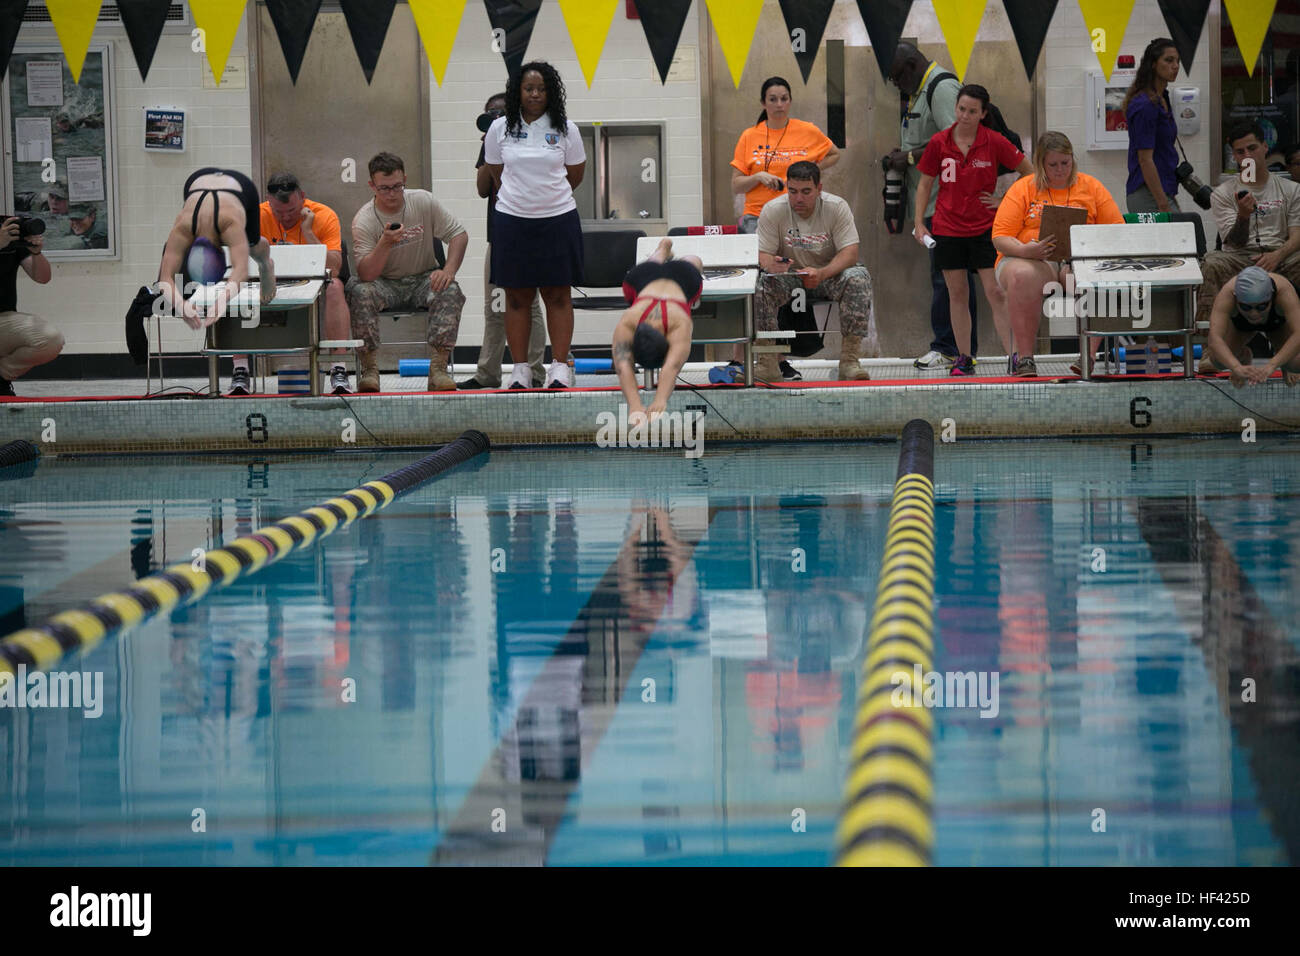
x=679 y=349
x=178 y=240
x=1289 y=303
x=625 y=366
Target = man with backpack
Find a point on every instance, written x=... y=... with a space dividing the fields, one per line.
x=931 y=106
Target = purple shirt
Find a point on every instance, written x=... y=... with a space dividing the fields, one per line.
x=1150 y=126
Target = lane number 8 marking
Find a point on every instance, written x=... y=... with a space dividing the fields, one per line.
x=257 y=432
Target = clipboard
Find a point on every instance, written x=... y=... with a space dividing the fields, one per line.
x=1056 y=221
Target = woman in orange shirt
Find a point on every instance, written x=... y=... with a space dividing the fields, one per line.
x=1026 y=262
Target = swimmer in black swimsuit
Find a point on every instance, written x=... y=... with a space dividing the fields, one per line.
x=655 y=331
x=1252 y=302
x=235 y=223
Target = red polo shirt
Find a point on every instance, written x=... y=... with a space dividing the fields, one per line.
x=958 y=210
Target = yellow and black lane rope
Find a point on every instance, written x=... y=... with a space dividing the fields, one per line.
x=82 y=628
x=886 y=819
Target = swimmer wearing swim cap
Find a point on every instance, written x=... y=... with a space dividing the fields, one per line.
x=1252 y=302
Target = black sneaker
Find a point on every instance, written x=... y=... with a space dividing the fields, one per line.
x=789 y=373
x=339 y=381
x=475 y=383
x=7 y=389
x=241 y=383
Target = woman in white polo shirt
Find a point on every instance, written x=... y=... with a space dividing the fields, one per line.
x=535 y=154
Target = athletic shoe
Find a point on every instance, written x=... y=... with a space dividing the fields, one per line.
x=339 y=381
x=475 y=383
x=559 y=376
x=933 y=361
x=521 y=377
x=7 y=389
x=727 y=374
x=789 y=373
x=1025 y=368
x=241 y=383
x=965 y=365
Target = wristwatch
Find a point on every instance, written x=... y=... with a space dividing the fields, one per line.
x=911 y=160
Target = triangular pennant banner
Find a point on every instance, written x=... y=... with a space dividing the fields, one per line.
x=512 y=27
x=588 y=22
x=884 y=20
x=74 y=22
x=734 y=21
x=662 y=22
x=368 y=24
x=144 y=21
x=1106 y=21
x=11 y=21
x=219 y=21
x=1185 y=18
x=960 y=22
x=805 y=21
x=438 y=22
x=293 y=20
x=1030 y=20
x=1250 y=20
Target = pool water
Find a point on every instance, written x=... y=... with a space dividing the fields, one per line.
x=627 y=657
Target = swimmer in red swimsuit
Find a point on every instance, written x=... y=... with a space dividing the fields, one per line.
x=655 y=332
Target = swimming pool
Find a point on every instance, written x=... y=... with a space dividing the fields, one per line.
x=620 y=657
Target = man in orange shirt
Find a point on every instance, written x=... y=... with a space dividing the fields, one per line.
x=288 y=217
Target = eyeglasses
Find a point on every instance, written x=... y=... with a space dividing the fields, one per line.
x=390 y=190
x=284 y=195
x=1254 y=306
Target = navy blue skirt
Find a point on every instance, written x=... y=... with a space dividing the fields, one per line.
x=533 y=253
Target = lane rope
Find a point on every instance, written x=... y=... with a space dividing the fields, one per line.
x=887 y=815
x=116 y=613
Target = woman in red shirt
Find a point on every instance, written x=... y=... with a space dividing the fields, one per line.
x=965 y=158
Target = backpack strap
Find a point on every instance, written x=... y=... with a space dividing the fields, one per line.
x=935 y=81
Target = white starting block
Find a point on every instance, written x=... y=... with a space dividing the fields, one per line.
x=1138 y=279
x=725 y=313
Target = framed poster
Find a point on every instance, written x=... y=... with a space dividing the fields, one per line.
x=60 y=157
x=164 y=129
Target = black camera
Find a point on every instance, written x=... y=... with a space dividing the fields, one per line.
x=1187 y=179
x=27 y=225
x=895 y=203
x=487 y=119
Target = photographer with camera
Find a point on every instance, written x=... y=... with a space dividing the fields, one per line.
x=25 y=340
x=488 y=373
x=1258 y=216
x=1152 y=160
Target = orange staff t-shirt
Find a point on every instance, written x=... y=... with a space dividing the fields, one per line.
x=325 y=226
x=1021 y=210
x=761 y=150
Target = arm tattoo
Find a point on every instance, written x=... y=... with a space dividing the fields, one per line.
x=622 y=353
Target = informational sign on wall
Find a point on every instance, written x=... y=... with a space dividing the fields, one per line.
x=164 y=129
x=62 y=163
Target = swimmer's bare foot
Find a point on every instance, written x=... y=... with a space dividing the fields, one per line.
x=664 y=251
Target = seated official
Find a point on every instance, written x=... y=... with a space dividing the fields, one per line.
x=807 y=239
x=25 y=340
x=288 y=217
x=392 y=239
x=1258 y=216
x=656 y=331
x=1250 y=303
x=1026 y=261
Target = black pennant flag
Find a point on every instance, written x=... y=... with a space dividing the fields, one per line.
x=884 y=20
x=1185 y=18
x=11 y=20
x=293 y=21
x=662 y=21
x=144 y=22
x=811 y=17
x=515 y=18
x=1030 y=20
x=368 y=23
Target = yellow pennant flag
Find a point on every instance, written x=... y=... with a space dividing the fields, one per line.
x=74 y=22
x=1106 y=21
x=1250 y=20
x=588 y=22
x=438 y=22
x=734 y=21
x=218 y=21
x=960 y=22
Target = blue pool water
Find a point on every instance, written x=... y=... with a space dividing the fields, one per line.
x=573 y=658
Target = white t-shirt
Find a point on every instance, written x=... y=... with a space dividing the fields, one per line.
x=534 y=183
x=1277 y=209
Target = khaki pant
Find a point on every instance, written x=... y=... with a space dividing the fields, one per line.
x=1217 y=268
x=25 y=342
x=494 y=334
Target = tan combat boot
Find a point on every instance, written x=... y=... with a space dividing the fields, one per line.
x=850 y=370
x=439 y=380
x=368 y=380
x=766 y=368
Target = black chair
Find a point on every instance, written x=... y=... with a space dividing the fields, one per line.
x=607 y=255
x=1198 y=223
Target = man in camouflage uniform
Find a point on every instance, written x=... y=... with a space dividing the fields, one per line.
x=397 y=268
x=808 y=250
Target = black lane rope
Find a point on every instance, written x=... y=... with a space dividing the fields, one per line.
x=120 y=611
